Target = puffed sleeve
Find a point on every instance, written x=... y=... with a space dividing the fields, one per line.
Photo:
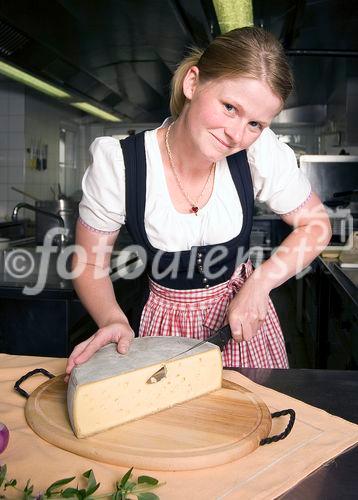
x=102 y=207
x=277 y=180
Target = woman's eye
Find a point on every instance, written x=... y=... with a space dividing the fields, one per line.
x=229 y=107
x=256 y=125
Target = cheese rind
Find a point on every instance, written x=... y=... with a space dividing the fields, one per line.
x=110 y=389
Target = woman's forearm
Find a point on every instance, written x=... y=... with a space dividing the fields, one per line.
x=97 y=296
x=294 y=254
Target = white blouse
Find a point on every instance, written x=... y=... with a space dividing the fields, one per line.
x=277 y=181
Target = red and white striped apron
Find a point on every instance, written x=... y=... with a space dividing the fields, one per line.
x=198 y=313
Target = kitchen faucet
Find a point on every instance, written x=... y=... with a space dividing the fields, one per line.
x=40 y=211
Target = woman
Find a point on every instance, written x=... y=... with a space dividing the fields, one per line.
x=188 y=188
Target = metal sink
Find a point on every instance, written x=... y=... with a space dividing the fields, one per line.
x=26 y=265
x=39 y=266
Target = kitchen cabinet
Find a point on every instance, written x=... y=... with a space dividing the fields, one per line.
x=309 y=316
x=52 y=322
x=37 y=326
x=338 y=323
x=329 y=317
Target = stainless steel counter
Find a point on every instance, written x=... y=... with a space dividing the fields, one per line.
x=40 y=313
x=34 y=271
x=350 y=273
x=347 y=278
x=335 y=392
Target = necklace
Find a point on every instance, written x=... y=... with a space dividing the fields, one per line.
x=194 y=204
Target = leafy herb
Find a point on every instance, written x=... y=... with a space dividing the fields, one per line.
x=126 y=488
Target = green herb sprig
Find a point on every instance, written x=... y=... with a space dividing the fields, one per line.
x=126 y=488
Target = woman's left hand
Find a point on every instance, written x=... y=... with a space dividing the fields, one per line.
x=248 y=309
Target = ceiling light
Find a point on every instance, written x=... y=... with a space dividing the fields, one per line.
x=31 y=81
x=93 y=110
x=27 y=79
x=232 y=14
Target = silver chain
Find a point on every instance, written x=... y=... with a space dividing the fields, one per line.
x=194 y=205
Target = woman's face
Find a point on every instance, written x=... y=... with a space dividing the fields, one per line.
x=227 y=115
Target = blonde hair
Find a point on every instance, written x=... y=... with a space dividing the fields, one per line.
x=250 y=52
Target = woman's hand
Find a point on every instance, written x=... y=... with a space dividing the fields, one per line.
x=248 y=309
x=120 y=333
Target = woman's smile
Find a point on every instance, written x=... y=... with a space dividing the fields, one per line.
x=221 y=142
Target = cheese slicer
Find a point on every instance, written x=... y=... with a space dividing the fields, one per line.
x=220 y=338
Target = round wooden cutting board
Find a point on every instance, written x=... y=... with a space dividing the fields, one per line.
x=211 y=430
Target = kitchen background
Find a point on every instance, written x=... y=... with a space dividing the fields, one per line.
x=118 y=57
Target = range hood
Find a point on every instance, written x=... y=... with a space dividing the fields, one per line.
x=302 y=115
x=118 y=54
x=121 y=54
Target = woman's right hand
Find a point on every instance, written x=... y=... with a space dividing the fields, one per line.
x=120 y=333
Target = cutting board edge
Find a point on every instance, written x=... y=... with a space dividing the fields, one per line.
x=188 y=461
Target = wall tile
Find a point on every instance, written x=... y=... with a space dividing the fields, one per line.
x=17 y=140
x=4 y=122
x=16 y=104
x=11 y=135
x=3 y=209
x=4 y=140
x=3 y=175
x=4 y=107
x=46 y=194
x=16 y=123
x=44 y=177
x=3 y=192
x=17 y=156
x=35 y=190
x=16 y=174
x=3 y=158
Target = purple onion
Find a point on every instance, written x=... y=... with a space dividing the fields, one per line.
x=4 y=437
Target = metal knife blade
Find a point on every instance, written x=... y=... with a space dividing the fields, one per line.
x=220 y=338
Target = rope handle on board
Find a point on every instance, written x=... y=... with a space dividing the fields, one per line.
x=285 y=433
x=28 y=375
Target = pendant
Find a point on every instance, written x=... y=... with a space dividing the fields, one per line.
x=195 y=210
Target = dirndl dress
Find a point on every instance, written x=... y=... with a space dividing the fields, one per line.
x=195 y=304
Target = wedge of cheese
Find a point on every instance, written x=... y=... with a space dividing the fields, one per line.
x=111 y=388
